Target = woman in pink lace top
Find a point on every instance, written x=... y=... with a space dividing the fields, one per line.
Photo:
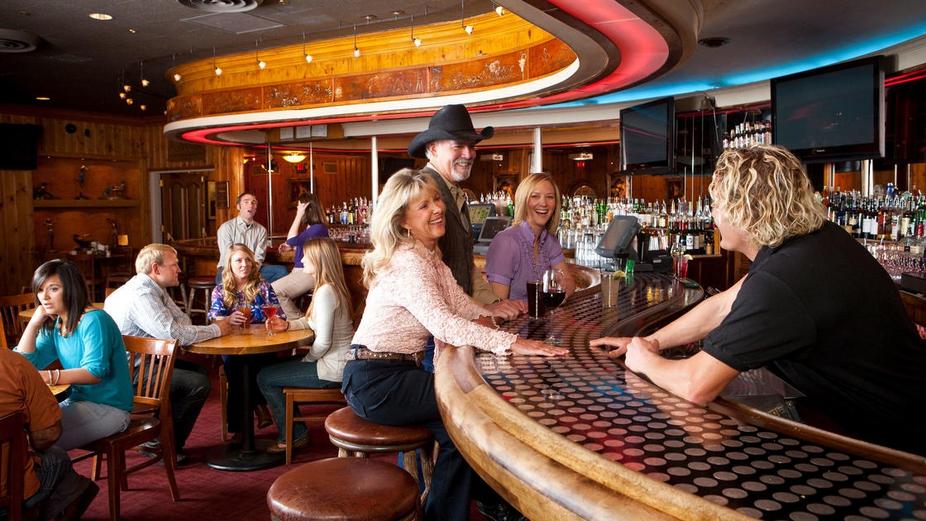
x=413 y=295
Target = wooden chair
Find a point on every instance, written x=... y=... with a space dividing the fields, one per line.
x=297 y=395
x=10 y=306
x=13 y=434
x=151 y=419
x=86 y=265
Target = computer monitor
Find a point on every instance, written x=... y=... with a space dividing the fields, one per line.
x=618 y=239
x=492 y=227
x=478 y=213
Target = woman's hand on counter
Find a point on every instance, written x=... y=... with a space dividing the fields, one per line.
x=522 y=346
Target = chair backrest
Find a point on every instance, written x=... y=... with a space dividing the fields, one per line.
x=10 y=306
x=12 y=463
x=155 y=369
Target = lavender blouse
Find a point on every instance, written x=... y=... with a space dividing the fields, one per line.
x=511 y=260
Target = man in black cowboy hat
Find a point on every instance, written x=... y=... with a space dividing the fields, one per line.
x=449 y=145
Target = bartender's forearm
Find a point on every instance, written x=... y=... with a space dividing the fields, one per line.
x=698 y=322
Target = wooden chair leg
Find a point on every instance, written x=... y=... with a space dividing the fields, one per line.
x=169 y=453
x=427 y=469
x=342 y=453
x=288 y=430
x=95 y=468
x=114 y=469
x=410 y=460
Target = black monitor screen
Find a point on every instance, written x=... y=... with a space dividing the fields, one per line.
x=834 y=112
x=479 y=212
x=647 y=136
x=492 y=227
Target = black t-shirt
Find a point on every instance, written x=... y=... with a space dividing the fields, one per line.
x=821 y=313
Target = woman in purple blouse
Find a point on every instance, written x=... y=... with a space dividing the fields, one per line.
x=311 y=220
x=529 y=247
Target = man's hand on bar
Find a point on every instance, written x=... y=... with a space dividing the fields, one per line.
x=507 y=309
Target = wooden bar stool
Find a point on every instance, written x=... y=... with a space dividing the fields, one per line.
x=353 y=435
x=206 y=285
x=297 y=395
x=344 y=489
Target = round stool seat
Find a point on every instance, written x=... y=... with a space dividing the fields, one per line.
x=347 y=430
x=200 y=282
x=343 y=489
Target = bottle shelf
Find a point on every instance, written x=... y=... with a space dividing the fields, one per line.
x=84 y=203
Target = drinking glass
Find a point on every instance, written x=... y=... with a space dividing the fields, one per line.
x=270 y=311
x=554 y=293
x=246 y=311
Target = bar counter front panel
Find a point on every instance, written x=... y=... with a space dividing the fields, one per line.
x=581 y=437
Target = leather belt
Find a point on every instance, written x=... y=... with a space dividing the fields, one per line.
x=359 y=352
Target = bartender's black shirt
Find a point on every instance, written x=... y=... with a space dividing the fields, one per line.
x=821 y=313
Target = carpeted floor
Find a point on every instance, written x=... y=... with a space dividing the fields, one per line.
x=206 y=494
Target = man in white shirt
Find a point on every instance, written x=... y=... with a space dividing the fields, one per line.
x=142 y=307
x=243 y=229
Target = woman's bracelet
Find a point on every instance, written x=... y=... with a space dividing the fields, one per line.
x=57 y=377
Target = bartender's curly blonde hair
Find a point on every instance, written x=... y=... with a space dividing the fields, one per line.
x=386 y=230
x=764 y=191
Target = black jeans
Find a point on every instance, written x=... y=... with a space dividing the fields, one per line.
x=189 y=389
x=400 y=393
x=234 y=371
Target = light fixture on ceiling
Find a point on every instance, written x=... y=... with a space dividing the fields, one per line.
x=218 y=70
x=100 y=16
x=467 y=28
x=42 y=98
x=141 y=74
x=261 y=64
x=307 y=56
x=582 y=156
x=177 y=76
x=356 y=49
x=499 y=10
x=129 y=101
x=143 y=106
x=122 y=95
x=133 y=31
x=416 y=41
x=294 y=157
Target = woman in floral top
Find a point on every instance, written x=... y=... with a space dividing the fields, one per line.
x=240 y=300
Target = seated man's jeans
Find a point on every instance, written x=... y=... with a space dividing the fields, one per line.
x=59 y=485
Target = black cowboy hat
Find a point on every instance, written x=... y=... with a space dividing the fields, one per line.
x=450 y=122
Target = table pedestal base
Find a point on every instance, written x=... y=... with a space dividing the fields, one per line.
x=236 y=458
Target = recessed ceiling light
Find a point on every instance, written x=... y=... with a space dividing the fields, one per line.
x=42 y=98
x=133 y=31
x=101 y=16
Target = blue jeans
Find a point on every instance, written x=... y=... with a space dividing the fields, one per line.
x=293 y=373
x=83 y=422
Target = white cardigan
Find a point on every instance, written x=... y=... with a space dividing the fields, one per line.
x=333 y=332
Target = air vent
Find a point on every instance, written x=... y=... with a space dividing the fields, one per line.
x=18 y=41
x=222 y=6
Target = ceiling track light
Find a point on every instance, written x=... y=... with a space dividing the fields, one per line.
x=141 y=74
x=467 y=28
x=261 y=64
x=218 y=71
x=177 y=76
x=356 y=49
x=416 y=41
x=499 y=10
x=307 y=56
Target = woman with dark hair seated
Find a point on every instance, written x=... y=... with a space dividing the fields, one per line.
x=311 y=220
x=89 y=347
x=413 y=295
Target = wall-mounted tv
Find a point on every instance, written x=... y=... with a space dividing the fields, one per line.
x=648 y=138
x=832 y=113
x=19 y=145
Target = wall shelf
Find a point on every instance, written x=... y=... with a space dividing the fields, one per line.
x=84 y=203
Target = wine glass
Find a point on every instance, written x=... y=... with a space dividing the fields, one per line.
x=554 y=292
x=270 y=311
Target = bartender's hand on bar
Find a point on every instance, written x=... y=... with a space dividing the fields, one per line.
x=639 y=352
x=522 y=346
x=507 y=309
x=619 y=344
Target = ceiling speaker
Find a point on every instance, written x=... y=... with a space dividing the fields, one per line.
x=222 y=6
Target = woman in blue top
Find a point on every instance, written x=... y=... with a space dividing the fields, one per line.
x=240 y=300
x=523 y=252
x=89 y=347
x=310 y=218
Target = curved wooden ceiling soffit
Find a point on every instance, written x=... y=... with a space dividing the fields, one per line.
x=552 y=51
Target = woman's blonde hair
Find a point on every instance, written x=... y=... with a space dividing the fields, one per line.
x=230 y=285
x=386 y=231
x=325 y=259
x=523 y=193
x=764 y=191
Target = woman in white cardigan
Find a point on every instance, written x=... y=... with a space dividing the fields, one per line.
x=329 y=316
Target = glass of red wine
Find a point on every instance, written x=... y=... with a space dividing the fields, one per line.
x=270 y=311
x=554 y=293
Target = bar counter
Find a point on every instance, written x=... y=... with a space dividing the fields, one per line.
x=581 y=437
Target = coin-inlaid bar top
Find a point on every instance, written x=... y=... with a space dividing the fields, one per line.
x=582 y=437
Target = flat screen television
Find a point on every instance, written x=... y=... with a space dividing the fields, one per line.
x=832 y=113
x=648 y=138
x=19 y=146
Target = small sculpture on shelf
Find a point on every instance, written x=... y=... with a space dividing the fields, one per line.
x=83 y=241
x=50 y=229
x=114 y=191
x=81 y=178
x=41 y=192
x=113 y=232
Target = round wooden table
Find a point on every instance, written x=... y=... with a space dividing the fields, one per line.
x=26 y=315
x=249 y=455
